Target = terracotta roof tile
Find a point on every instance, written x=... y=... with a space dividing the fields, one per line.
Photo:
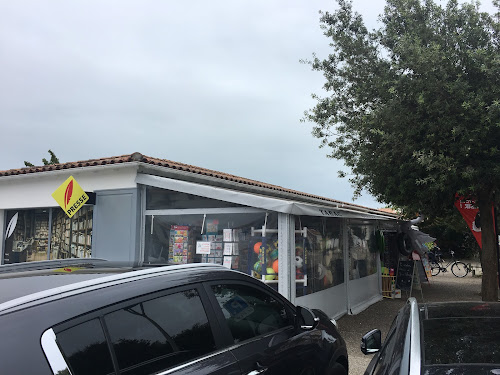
x=389 y=210
x=138 y=157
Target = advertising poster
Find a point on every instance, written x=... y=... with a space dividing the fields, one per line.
x=202 y=247
x=228 y=248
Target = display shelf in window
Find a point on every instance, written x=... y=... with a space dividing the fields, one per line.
x=219 y=250
x=264 y=258
x=82 y=232
x=215 y=241
x=180 y=244
x=72 y=237
x=301 y=261
x=222 y=246
x=231 y=250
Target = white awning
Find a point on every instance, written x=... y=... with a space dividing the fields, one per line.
x=253 y=200
x=419 y=239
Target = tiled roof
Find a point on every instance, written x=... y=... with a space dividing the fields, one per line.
x=389 y=210
x=138 y=157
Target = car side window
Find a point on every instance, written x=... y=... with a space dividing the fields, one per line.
x=385 y=352
x=391 y=355
x=144 y=337
x=249 y=311
x=85 y=348
x=160 y=333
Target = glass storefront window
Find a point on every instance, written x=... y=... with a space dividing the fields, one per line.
x=70 y=238
x=235 y=240
x=29 y=240
x=185 y=228
x=319 y=254
x=362 y=250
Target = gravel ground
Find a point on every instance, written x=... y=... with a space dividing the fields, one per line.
x=441 y=288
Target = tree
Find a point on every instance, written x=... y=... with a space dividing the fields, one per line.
x=413 y=108
x=452 y=233
x=53 y=160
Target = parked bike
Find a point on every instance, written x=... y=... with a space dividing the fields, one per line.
x=458 y=268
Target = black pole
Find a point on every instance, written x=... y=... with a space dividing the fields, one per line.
x=495 y=227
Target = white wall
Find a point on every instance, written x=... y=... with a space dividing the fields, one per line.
x=364 y=292
x=2 y=234
x=332 y=301
x=35 y=190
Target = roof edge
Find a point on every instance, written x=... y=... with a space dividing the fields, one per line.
x=189 y=170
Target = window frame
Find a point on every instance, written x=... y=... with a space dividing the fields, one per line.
x=57 y=362
x=221 y=320
x=50 y=335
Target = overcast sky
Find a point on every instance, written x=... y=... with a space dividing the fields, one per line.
x=216 y=84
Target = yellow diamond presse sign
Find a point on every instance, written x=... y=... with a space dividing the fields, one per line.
x=70 y=196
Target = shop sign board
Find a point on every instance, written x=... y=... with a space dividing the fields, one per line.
x=70 y=196
x=404 y=278
x=330 y=213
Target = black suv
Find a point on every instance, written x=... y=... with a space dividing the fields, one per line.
x=87 y=318
x=438 y=339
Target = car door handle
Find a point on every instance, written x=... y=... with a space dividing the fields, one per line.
x=260 y=370
x=257 y=372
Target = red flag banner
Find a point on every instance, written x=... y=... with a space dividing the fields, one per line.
x=470 y=213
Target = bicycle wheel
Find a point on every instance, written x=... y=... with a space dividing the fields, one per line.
x=435 y=269
x=459 y=269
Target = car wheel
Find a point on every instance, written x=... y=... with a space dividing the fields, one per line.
x=307 y=372
x=337 y=369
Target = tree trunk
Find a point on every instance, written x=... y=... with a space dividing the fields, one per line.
x=489 y=255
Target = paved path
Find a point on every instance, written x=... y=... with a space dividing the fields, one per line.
x=444 y=287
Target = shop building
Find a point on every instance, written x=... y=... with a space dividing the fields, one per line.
x=316 y=251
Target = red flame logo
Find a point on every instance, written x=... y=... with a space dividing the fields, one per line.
x=68 y=193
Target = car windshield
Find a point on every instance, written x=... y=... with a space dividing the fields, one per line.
x=461 y=340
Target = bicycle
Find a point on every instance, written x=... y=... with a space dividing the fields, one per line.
x=458 y=268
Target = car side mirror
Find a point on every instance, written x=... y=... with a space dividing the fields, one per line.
x=371 y=342
x=306 y=318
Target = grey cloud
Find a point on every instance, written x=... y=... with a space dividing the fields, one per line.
x=216 y=84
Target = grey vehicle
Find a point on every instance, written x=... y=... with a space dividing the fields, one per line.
x=92 y=317
x=437 y=339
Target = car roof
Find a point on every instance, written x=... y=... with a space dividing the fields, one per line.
x=446 y=310
x=38 y=282
x=458 y=334
x=449 y=337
